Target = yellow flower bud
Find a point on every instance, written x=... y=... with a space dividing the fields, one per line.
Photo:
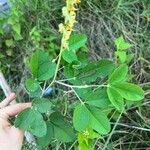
x=69 y=13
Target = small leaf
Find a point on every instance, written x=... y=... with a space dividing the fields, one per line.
x=24 y=119
x=95 y=69
x=17 y=28
x=119 y=74
x=69 y=56
x=45 y=140
x=77 y=41
x=98 y=98
x=32 y=85
x=41 y=67
x=42 y=105
x=46 y=71
x=70 y=73
x=32 y=121
x=93 y=134
x=62 y=129
x=99 y=121
x=38 y=128
x=81 y=117
x=115 y=98
x=37 y=93
x=9 y=42
x=130 y=91
x=121 y=44
x=83 y=93
x=36 y=59
x=122 y=56
x=130 y=57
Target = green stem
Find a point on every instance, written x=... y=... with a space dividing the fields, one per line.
x=57 y=66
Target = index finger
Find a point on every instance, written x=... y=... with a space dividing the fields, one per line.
x=13 y=110
x=7 y=100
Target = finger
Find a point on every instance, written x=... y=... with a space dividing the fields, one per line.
x=13 y=110
x=7 y=100
x=4 y=122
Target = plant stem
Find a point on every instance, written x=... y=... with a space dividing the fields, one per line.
x=80 y=86
x=78 y=96
x=58 y=64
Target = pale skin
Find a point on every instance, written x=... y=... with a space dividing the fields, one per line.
x=11 y=138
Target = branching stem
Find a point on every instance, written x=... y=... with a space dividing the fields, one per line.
x=80 y=86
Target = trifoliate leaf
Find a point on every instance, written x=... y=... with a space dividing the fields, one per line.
x=119 y=74
x=115 y=98
x=130 y=91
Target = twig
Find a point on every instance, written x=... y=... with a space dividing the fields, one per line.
x=110 y=135
x=80 y=86
x=5 y=87
x=133 y=127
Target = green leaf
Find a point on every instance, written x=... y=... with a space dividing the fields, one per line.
x=41 y=67
x=46 y=71
x=85 y=146
x=17 y=28
x=62 y=129
x=81 y=117
x=83 y=58
x=130 y=58
x=69 y=56
x=121 y=44
x=115 y=98
x=122 y=56
x=42 y=105
x=77 y=41
x=99 y=121
x=25 y=118
x=37 y=93
x=9 y=42
x=32 y=85
x=96 y=69
x=38 y=128
x=98 y=98
x=32 y=121
x=70 y=73
x=83 y=93
x=130 y=91
x=93 y=134
x=119 y=74
x=45 y=140
x=17 y=36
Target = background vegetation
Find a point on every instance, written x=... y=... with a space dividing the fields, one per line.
x=36 y=26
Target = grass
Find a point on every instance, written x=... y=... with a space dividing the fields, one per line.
x=103 y=21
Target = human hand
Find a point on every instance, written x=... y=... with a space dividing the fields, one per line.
x=11 y=138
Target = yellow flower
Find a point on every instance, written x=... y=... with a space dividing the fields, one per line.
x=69 y=13
x=61 y=28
